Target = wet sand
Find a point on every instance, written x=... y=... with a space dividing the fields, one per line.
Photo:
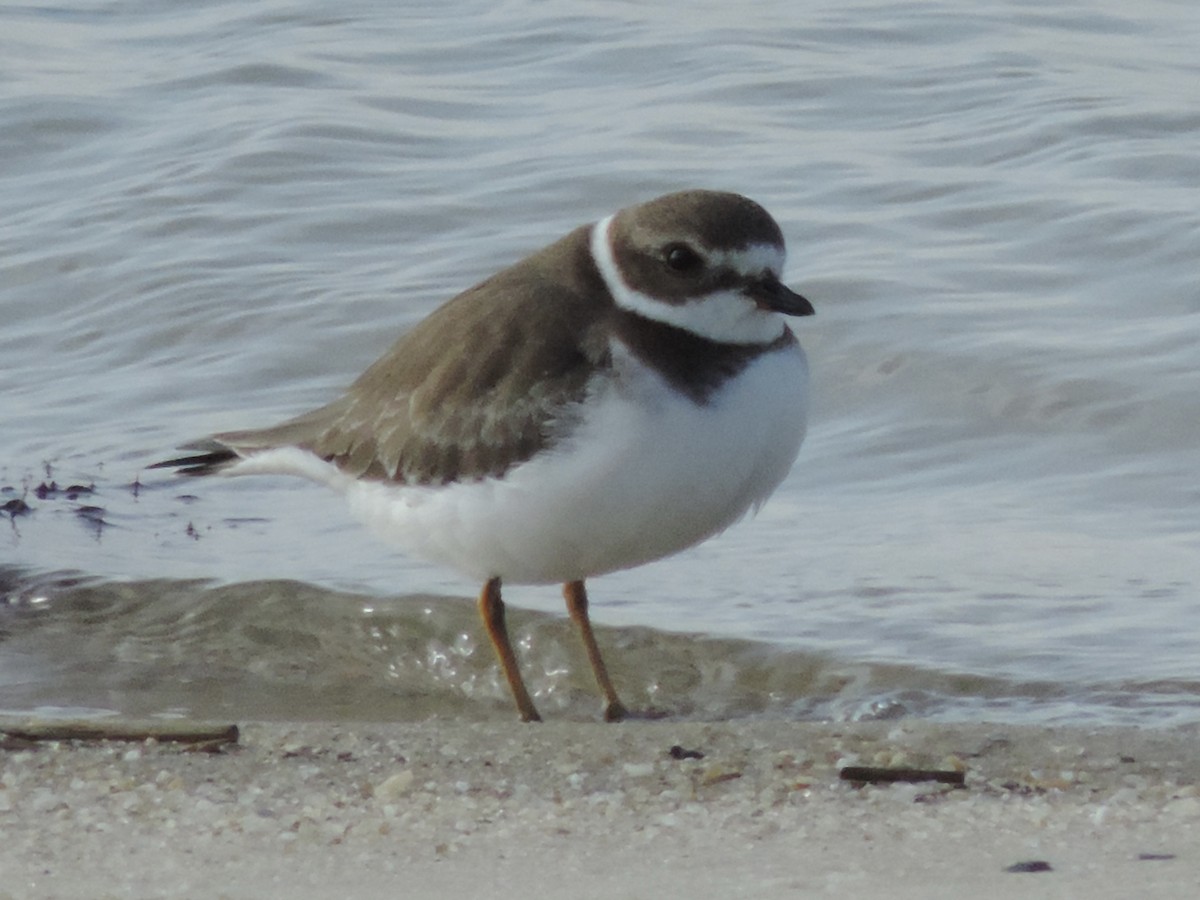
x=588 y=810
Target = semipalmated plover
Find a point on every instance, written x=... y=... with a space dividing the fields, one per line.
x=616 y=397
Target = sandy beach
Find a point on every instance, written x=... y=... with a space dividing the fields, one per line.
x=643 y=809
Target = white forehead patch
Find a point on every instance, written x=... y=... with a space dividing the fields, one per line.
x=729 y=317
x=752 y=260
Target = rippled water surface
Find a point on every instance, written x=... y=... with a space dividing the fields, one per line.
x=215 y=215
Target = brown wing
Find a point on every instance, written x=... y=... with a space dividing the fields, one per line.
x=483 y=383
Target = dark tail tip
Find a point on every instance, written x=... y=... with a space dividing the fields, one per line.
x=211 y=457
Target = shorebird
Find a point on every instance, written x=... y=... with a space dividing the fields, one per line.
x=614 y=398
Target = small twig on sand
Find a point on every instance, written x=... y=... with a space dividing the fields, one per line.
x=199 y=737
x=884 y=775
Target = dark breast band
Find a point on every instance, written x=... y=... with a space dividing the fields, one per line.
x=693 y=365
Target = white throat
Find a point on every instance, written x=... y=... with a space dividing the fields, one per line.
x=728 y=317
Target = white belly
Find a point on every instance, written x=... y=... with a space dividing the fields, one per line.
x=646 y=474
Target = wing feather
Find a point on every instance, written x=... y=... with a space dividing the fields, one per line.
x=487 y=380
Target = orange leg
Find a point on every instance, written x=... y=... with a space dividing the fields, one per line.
x=575 y=594
x=491 y=608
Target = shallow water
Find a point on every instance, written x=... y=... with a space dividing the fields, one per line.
x=215 y=216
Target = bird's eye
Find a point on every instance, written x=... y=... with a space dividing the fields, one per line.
x=682 y=258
